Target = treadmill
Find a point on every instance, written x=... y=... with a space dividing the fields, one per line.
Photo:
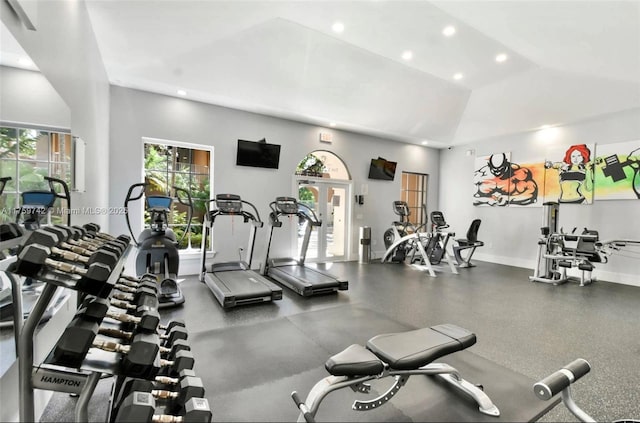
x=234 y=283
x=293 y=273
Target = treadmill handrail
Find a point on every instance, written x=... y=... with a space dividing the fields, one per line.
x=311 y=217
x=254 y=217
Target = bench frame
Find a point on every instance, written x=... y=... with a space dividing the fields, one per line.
x=445 y=372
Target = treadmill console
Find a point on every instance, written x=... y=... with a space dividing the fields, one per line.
x=287 y=205
x=229 y=203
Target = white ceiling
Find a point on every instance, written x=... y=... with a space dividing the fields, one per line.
x=567 y=61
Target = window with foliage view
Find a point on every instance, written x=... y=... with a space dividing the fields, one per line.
x=168 y=166
x=414 y=193
x=27 y=156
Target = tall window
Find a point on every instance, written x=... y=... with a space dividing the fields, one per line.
x=167 y=166
x=414 y=193
x=27 y=156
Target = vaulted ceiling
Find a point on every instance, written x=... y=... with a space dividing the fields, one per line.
x=566 y=61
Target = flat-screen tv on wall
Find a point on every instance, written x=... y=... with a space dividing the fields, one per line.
x=258 y=154
x=382 y=169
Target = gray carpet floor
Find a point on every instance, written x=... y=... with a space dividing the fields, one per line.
x=528 y=329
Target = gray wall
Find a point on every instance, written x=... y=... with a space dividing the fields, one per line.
x=137 y=114
x=65 y=50
x=27 y=97
x=511 y=233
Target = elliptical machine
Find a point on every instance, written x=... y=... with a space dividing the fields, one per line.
x=400 y=229
x=36 y=204
x=405 y=241
x=158 y=245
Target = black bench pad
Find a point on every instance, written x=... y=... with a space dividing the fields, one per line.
x=413 y=349
x=356 y=360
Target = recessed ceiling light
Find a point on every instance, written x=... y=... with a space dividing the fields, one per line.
x=501 y=57
x=332 y=124
x=448 y=31
x=458 y=76
x=338 y=27
x=425 y=142
x=407 y=55
x=25 y=61
x=182 y=92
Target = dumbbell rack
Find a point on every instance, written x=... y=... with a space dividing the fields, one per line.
x=56 y=378
x=16 y=289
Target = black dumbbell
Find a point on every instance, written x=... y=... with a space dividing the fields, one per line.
x=143 y=297
x=141 y=357
x=79 y=336
x=34 y=258
x=74 y=343
x=53 y=237
x=164 y=382
x=128 y=288
x=145 y=276
x=174 y=333
x=94 y=230
x=9 y=231
x=65 y=240
x=141 y=407
x=171 y=324
x=170 y=336
x=147 y=279
x=80 y=237
x=72 y=237
x=98 y=308
x=188 y=387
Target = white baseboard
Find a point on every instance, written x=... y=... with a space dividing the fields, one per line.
x=189 y=266
x=598 y=274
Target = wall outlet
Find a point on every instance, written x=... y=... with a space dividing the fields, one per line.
x=359 y=216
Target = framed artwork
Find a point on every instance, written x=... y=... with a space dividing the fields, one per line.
x=569 y=176
x=498 y=182
x=617 y=171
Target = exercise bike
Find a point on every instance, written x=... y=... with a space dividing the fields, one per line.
x=158 y=245
x=405 y=241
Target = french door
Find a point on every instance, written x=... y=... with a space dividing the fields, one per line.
x=329 y=199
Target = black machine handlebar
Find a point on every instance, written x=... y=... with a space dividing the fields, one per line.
x=231 y=204
x=189 y=204
x=139 y=194
x=561 y=379
x=129 y=196
x=291 y=206
x=65 y=195
x=3 y=182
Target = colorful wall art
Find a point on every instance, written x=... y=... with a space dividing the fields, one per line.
x=569 y=174
x=617 y=171
x=498 y=182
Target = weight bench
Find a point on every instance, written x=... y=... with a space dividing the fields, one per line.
x=397 y=355
x=469 y=243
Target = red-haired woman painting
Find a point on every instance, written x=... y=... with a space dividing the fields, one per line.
x=575 y=172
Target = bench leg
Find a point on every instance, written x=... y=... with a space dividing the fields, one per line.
x=485 y=405
x=309 y=407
